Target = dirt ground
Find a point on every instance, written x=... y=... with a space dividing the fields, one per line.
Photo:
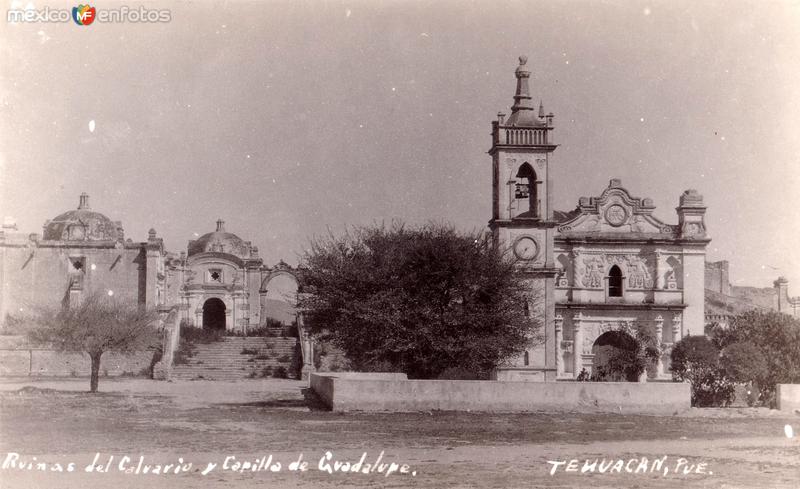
x=51 y=424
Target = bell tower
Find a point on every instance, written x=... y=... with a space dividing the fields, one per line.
x=522 y=215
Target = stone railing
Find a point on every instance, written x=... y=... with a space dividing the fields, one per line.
x=171 y=324
x=519 y=136
x=306 y=348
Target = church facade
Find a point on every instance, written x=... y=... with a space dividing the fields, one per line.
x=607 y=266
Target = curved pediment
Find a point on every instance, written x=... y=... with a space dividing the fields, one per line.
x=213 y=256
x=615 y=212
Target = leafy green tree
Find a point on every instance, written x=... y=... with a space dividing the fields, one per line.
x=95 y=325
x=420 y=300
x=697 y=359
x=744 y=363
x=762 y=347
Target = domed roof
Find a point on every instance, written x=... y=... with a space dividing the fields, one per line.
x=220 y=241
x=82 y=224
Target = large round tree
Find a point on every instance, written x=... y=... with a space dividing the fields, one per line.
x=418 y=300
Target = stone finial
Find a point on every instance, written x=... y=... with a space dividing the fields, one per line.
x=84 y=201
x=615 y=183
x=691 y=198
x=522 y=97
x=541 y=110
x=501 y=117
x=220 y=226
x=151 y=235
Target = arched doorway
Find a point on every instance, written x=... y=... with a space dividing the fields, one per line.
x=614 y=357
x=214 y=314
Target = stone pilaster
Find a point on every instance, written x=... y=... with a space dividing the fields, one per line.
x=659 y=282
x=576 y=255
x=559 y=324
x=676 y=328
x=659 y=341
x=577 y=344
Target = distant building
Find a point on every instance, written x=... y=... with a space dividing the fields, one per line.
x=219 y=283
x=222 y=283
x=723 y=300
x=79 y=252
x=609 y=263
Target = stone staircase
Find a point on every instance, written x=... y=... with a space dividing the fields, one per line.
x=236 y=358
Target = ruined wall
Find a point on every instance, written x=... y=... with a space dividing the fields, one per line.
x=717 y=277
x=40 y=276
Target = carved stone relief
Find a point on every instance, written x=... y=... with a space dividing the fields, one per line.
x=639 y=276
x=591 y=270
x=616 y=215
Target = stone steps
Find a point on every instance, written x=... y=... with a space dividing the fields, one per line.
x=225 y=360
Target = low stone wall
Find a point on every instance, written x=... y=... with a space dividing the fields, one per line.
x=365 y=375
x=788 y=397
x=17 y=358
x=322 y=382
x=354 y=393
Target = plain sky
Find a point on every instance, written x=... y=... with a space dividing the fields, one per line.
x=286 y=119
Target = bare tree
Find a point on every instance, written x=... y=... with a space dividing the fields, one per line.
x=96 y=325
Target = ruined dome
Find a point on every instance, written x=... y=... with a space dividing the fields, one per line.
x=82 y=224
x=220 y=241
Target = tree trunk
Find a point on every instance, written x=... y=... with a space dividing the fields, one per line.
x=95 y=371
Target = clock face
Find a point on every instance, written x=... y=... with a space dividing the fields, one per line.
x=526 y=248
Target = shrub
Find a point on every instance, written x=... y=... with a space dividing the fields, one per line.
x=198 y=335
x=744 y=362
x=697 y=360
x=15 y=324
x=258 y=331
x=457 y=373
x=583 y=376
x=628 y=354
x=328 y=358
x=280 y=373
